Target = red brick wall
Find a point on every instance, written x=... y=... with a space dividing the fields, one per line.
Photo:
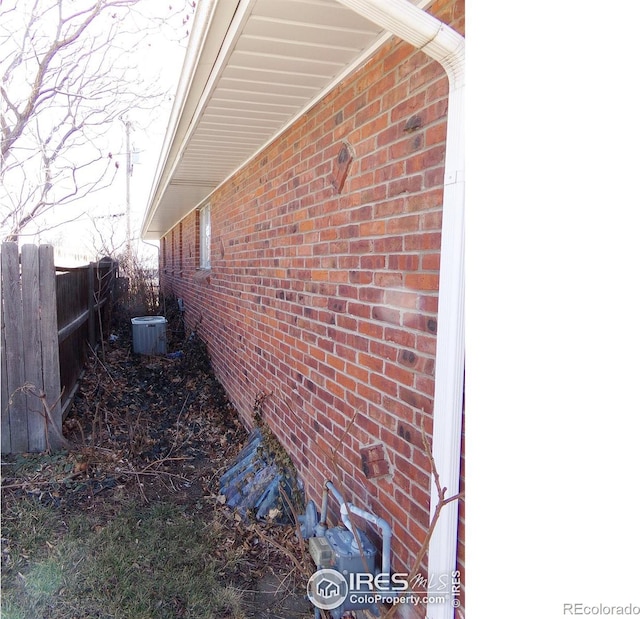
x=323 y=287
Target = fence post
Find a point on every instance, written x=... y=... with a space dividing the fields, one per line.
x=49 y=329
x=91 y=274
x=5 y=431
x=13 y=352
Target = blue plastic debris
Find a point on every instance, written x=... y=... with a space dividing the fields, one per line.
x=253 y=483
x=175 y=355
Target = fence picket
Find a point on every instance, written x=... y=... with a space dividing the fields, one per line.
x=5 y=432
x=14 y=352
x=49 y=326
x=32 y=338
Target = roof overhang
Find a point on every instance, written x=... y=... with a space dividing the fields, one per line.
x=252 y=67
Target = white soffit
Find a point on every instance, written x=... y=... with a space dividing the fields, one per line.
x=269 y=63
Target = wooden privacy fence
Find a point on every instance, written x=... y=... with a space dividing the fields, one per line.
x=48 y=321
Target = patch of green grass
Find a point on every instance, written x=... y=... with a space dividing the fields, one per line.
x=44 y=581
x=27 y=526
x=27 y=464
x=12 y=611
x=155 y=562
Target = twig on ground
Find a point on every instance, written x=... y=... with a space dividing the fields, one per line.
x=175 y=438
x=95 y=354
x=162 y=461
x=281 y=548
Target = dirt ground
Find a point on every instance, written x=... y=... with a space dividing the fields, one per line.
x=145 y=432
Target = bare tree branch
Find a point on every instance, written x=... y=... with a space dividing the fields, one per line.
x=67 y=75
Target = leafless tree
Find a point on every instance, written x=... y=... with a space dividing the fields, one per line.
x=67 y=76
x=103 y=237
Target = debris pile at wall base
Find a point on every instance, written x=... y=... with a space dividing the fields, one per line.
x=255 y=483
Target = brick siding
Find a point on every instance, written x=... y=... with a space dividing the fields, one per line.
x=323 y=286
